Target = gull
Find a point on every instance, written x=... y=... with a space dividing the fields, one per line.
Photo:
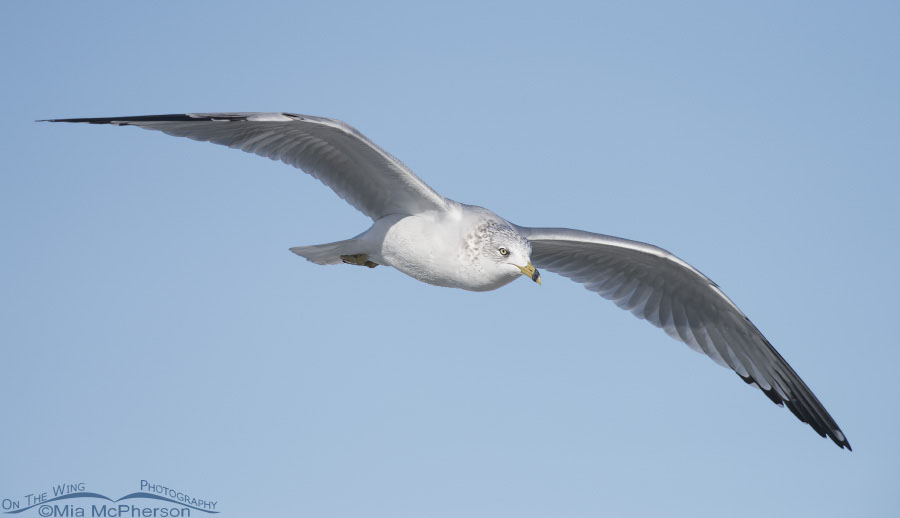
x=446 y=243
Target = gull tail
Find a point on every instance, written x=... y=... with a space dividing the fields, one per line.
x=329 y=253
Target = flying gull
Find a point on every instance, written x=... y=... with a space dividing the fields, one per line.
x=442 y=242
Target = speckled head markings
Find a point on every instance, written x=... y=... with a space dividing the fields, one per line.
x=490 y=237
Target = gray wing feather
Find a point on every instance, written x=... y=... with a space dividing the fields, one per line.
x=363 y=174
x=658 y=287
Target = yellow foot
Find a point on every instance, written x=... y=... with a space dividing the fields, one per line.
x=358 y=260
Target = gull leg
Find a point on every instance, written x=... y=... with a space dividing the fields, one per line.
x=358 y=260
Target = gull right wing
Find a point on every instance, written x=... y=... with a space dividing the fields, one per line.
x=369 y=178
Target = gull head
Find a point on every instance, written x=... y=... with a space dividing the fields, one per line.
x=502 y=254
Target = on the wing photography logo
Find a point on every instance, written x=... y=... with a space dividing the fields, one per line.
x=75 y=500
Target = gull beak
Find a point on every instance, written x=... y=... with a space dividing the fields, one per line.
x=531 y=272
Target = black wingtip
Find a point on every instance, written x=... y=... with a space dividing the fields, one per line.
x=821 y=428
x=177 y=117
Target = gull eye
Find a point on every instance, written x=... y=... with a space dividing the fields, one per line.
x=504 y=252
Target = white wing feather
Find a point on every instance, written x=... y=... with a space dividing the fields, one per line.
x=369 y=178
x=669 y=293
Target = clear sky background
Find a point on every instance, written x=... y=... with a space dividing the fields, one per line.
x=154 y=325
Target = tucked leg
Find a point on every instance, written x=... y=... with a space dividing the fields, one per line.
x=358 y=260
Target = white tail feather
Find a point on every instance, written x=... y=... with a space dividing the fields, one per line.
x=329 y=253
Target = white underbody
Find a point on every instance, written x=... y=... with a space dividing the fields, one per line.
x=435 y=247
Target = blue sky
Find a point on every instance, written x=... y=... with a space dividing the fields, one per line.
x=153 y=324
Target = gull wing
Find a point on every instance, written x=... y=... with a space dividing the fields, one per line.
x=669 y=293
x=335 y=153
